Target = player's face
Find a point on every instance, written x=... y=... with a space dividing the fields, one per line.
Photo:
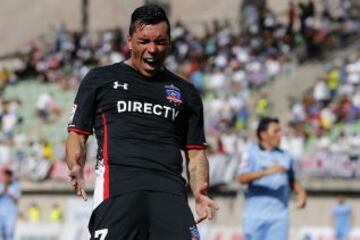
x=6 y=179
x=149 y=45
x=273 y=135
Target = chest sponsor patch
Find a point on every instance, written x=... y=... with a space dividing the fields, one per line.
x=173 y=94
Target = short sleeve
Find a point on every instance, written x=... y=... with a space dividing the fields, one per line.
x=195 y=136
x=14 y=190
x=84 y=108
x=247 y=164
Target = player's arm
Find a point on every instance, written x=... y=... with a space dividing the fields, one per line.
x=295 y=185
x=198 y=170
x=79 y=128
x=13 y=198
x=300 y=192
x=198 y=167
x=195 y=152
x=75 y=159
x=248 y=177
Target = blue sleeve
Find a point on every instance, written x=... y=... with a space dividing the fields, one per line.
x=247 y=163
x=14 y=190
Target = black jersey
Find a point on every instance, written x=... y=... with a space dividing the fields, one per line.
x=141 y=124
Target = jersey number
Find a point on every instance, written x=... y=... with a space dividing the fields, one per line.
x=101 y=234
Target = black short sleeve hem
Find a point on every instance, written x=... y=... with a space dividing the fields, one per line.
x=85 y=105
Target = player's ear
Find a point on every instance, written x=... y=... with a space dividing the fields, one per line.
x=129 y=43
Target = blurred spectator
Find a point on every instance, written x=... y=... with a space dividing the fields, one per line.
x=47 y=150
x=56 y=214
x=293 y=141
x=298 y=112
x=34 y=213
x=60 y=152
x=9 y=121
x=46 y=105
x=342 y=218
x=9 y=195
x=321 y=92
x=5 y=152
x=291 y=17
x=333 y=81
x=6 y=77
x=262 y=106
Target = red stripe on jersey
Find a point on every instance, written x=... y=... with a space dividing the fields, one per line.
x=105 y=157
x=83 y=132
x=189 y=147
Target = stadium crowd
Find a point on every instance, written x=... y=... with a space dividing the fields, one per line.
x=335 y=98
x=327 y=118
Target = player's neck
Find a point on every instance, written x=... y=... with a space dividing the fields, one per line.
x=266 y=147
x=130 y=64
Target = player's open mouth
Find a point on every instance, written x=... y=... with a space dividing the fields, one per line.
x=152 y=62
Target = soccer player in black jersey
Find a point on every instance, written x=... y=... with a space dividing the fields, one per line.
x=142 y=116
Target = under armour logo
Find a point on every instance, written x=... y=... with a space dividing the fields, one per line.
x=123 y=85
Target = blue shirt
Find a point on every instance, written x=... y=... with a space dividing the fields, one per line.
x=7 y=204
x=342 y=215
x=267 y=197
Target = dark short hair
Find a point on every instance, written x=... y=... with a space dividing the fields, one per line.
x=8 y=172
x=264 y=124
x=148 y=14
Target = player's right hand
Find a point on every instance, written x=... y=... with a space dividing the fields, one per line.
x=204 y=205
x=275 y=169
x=77 y=180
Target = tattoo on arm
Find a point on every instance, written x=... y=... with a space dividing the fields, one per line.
x=198 y=170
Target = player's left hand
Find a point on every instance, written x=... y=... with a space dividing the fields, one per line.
x=204 y=205
x=301 y=199
x=77 y=181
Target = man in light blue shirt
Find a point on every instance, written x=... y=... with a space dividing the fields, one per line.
x=9 y=195
x=269 y=174
x=342 y=216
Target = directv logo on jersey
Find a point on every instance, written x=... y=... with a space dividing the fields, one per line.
x=147 y=108
x=123 y=86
